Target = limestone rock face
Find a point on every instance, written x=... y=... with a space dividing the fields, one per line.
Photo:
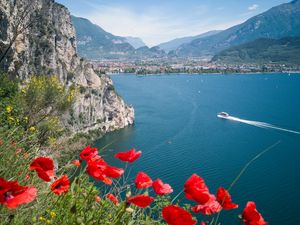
x=47 y=46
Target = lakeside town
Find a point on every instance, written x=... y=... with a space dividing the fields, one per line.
x=190 y=65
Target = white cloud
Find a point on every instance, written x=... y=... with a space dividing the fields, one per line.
x=150 y=26
x=155 y=25
x=253 y=7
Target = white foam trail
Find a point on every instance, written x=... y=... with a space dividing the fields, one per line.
x=260 y=124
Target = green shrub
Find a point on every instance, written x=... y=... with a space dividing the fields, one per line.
x=35 y=106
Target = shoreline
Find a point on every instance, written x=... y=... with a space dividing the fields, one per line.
x=233 y=73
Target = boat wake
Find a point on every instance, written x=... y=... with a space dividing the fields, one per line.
x=260 y=124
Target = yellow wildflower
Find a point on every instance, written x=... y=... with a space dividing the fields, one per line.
x=11 y=119
x=52 y=214
x=32 y=129
x=51 y=140
x=9 y=109
x=42 y=218
x=48 y=222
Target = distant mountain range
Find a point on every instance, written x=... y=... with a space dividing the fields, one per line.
x=278 y=22
x=135 y=42
x=174 y=44
x=95 y=43
x=261 y=51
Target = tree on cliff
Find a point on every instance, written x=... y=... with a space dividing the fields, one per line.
x=20 y=23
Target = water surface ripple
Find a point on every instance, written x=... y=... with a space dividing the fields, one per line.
x=179 y=133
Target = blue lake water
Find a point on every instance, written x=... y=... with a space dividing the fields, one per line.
x=179 y=133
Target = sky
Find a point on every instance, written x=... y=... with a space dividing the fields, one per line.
x=157 y=21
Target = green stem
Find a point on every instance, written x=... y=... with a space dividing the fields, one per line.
x=245 y=168
x=177 y=196
x=250 y=162
x=120 y=215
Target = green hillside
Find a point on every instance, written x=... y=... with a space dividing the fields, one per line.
x=278 y=22
x=285 y=50
x=94 y=43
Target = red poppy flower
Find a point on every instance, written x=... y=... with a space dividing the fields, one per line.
x=208 y=208
x=112 y=198
x=12 y=194
x=160 y=188
x=142 y=180
x=113 y=172
x=44 y=167
x=129 y=156
x=61 y=185
x=88 y=153
x=224 y=198
x=97 y=198
x=96 y=169
x=196 y=189
x=96 y=158
x=175 y=215
x=142 y=201
x=251 y=216
x=76 y=163
x=202 y=223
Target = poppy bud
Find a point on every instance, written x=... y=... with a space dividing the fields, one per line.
x=129 y=210
x=128 y=194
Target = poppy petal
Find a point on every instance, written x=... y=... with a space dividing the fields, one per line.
x=129 y=156
x=208 y=209
x=113 y=172
x=251 y=216
x=61 y=185
x=224 y=198
x=175 y=215
x=196 y=189
x=12 y=194
x=142 y=180
x=113 y=198
x=142 y=201
x=88 y=152
x=44 y=167
x=160 y=188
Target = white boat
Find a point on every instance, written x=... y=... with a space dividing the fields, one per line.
x=223 y=115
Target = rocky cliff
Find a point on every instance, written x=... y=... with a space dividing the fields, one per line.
x=47 y=46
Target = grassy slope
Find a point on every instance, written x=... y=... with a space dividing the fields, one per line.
x=285 y=50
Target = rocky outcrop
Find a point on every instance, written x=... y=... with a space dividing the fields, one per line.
x=47 y=46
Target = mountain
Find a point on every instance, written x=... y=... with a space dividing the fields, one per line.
x=146 y=53
x=278 y=22
x=48 y=47
x=95 y=43
x=135 y=42
x=264 y=50
x=174 y=44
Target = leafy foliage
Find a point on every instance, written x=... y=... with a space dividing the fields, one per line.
x=285 y=51
x=78 y=206
x=35 y=106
